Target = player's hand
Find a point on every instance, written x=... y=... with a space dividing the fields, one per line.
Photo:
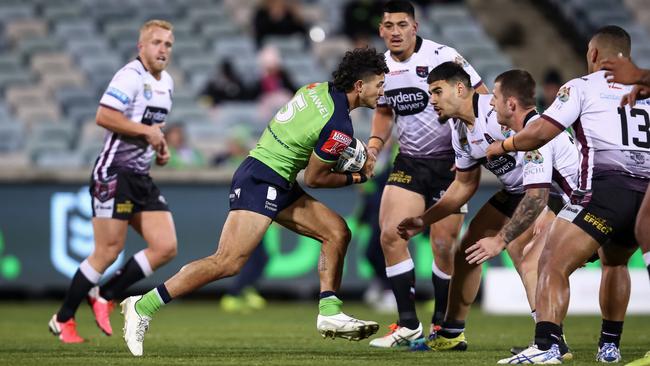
x=371 y=160
x=494 y=150
x=637 y=93
x=621 y=70
x=162 y=155
x=410 y=227
x=484 y=249
x=155 y=136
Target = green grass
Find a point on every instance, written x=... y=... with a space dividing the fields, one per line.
x=198 y=333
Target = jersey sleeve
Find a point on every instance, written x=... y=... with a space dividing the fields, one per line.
x=450 y=54
x=566 y=108
x=464 y=161
x=538 y=167
x=335 y=136
x=122 y=90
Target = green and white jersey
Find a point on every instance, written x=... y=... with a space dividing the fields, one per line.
x=316 y=120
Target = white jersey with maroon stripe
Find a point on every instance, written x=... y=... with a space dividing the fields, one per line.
x=134 y=92
x=552 y=165
x=406 y=91
x=612 y=140
x=470 y=145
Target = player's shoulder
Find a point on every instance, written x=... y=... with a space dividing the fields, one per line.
x=166 y=78
x=132 y=70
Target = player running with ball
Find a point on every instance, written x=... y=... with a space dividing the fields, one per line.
x=310 y=133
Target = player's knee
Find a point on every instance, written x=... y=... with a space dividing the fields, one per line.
x=341 y=234
x=390 y=239
x=168 y=251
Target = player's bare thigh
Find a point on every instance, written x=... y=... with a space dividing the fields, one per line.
x=310 y=217
x=110 y=235
x=157 y=229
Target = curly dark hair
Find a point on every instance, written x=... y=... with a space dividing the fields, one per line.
x=358 y=64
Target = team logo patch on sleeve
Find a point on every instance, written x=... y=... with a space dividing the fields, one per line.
x=336 y=143
x=461 y=61
x=422 y=71
x=118 y=94
x=564 y=94
x=533 y=157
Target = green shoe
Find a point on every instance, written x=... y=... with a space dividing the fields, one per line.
x=253 y=299
x=233 y=304
x=440 y=343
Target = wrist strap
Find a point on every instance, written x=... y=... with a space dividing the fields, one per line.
x=355 y=178
x=378 y=138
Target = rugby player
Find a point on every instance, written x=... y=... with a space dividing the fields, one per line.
x=613 y=177
x=475 y=126
x=309 y=133
x=133 y=110
x=422 y=170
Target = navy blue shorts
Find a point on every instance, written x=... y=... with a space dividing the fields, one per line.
x=258 y=188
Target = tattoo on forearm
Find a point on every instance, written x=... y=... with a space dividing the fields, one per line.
x=527 y=211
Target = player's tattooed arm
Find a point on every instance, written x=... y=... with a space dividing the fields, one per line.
x=527 y=211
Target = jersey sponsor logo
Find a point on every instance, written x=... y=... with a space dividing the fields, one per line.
x=124 y=207
x=399 y=177
x=398 y=72
x=564 y=94
x=147 y=91
x=407 y=101
x=501 y=165
x=271 y=194
x=422 y=71
x=154 y=115
x=534 y=157
x=336 y=143
x=570 y=212
x=118 y=94
x=598 y=223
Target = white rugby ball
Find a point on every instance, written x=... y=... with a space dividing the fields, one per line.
x=352 y=158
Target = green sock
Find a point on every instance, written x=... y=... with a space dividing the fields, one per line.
x=149 y=303
x=329 y=306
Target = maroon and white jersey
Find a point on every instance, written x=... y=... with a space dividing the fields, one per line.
x=406 y=91
x=612 y=140
x=554 y=165
x=470 y=145
x=142 y=99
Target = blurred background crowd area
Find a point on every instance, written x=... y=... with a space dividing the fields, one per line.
x=235 y=62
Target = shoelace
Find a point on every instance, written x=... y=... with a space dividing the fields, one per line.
x=392 y=328
x=141 y=329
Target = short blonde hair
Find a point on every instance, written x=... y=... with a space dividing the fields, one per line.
x=155 y=23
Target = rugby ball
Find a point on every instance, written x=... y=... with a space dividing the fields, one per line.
x=352 y=158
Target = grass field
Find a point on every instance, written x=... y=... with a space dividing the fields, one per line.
x=199 y=333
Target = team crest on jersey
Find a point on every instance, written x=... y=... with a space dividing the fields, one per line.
x=564 y=94
x=422 y=71
x=506 y=131
x=336 y=143
x=147 y=91
x=533 y=157
x=461 y=61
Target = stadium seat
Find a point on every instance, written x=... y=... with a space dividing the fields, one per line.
x=59 y=159
x=18 y=29
x=14 y=77
x=59 y=13
x=25 y=94
x=32 y=46
x=22 y=10
x=11 y=137
x=54 y=62
x=54 y=81
x=33 y=114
